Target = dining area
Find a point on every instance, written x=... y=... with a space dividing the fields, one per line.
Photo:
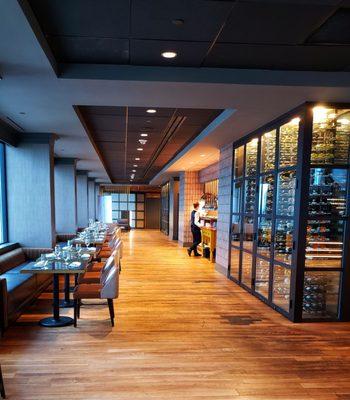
x=85 y=267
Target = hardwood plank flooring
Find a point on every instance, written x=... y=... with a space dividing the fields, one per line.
x=183 y=331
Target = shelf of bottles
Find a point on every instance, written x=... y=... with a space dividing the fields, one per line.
x=327 y=212
x=265 y=212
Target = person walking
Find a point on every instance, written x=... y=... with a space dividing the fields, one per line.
x=196 y=230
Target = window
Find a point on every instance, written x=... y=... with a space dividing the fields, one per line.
x=3 y=211
x=129 y=202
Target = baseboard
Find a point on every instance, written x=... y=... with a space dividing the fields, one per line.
x=221 y=269
x=184 y=244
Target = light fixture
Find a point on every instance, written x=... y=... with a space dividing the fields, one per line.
x=143 y=141
x=151 y=111
x=320 y=114
x=135 y=165
x=202 y=155
x=144 y=134
x=139 y=149
x=137 y=158
x=134 y=170
x=295 y=121
x=169 y=54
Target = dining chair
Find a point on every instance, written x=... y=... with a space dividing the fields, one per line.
x=97 y=266
x=2 y=386
x=108 y=290
x=97 y=275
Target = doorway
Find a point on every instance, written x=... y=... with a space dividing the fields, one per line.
x=152 y=212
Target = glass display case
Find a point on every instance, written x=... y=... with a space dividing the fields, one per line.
x=164 y=220
x=290 y=231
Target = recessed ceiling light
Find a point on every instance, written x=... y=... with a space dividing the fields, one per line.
x=151 y=111
x=137 y=158
x=135 y=165
x=139 y=149
x=143 y=141
x=134 y=170
x=144 y=134
x=169 y=54
x=202 y=155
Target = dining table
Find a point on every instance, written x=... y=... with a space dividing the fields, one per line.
x=56 y=268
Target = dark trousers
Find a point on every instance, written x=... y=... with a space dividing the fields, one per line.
x=197 y=238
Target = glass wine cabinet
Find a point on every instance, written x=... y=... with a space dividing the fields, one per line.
x=290 y=213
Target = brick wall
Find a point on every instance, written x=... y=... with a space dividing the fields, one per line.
x=224 y=208
x=209 y=173
x=190 y=191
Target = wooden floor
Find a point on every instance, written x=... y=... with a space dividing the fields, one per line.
x=183 y=331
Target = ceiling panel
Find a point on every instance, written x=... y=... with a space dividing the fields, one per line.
x=277 y=23
x=250 y=34
x=90 y=50
x=180 y=20
x=318 y=58
x=336 y=30
x=89 y=18
x=117 y=148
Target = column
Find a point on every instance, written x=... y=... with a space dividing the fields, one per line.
x=65 y=195
x=91 y=199
x=30 y=191
x=190 y=191
x=82 y=199
x=173 y=208
x=224 y=210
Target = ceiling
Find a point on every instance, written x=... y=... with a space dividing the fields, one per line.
x=256 y=34
x=38 y=101
x=134 y=143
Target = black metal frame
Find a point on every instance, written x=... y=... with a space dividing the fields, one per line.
x=302 y=169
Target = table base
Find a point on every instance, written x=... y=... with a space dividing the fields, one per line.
x=66 y=304
x=52 y=322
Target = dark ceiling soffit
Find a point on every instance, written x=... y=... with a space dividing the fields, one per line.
x=82 y=172
x=8 y=134
x=222 y=117
x=170 y=130
x=65 y=161
x=37 y=137
x=33 y=22
x=204 y=75
x=90 y=136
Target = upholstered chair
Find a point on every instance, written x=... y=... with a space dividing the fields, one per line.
x=108 y=290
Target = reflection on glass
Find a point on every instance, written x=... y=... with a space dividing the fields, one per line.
x=236 y=197
x=286 y=193
x=249 y=195
x=264 y=237
x=288 y=144
x=247 y=261
x=268 y=148
x=251 y=157
x=262 y=277
x=236 y=230
x=324 y=243
x=248 y=233
x=234 y=269
x=281 y=287
x=266 y=194
x=321 y=292
x=238 y=162
x=327 y=195
x=284 y=240
x=330 y=136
